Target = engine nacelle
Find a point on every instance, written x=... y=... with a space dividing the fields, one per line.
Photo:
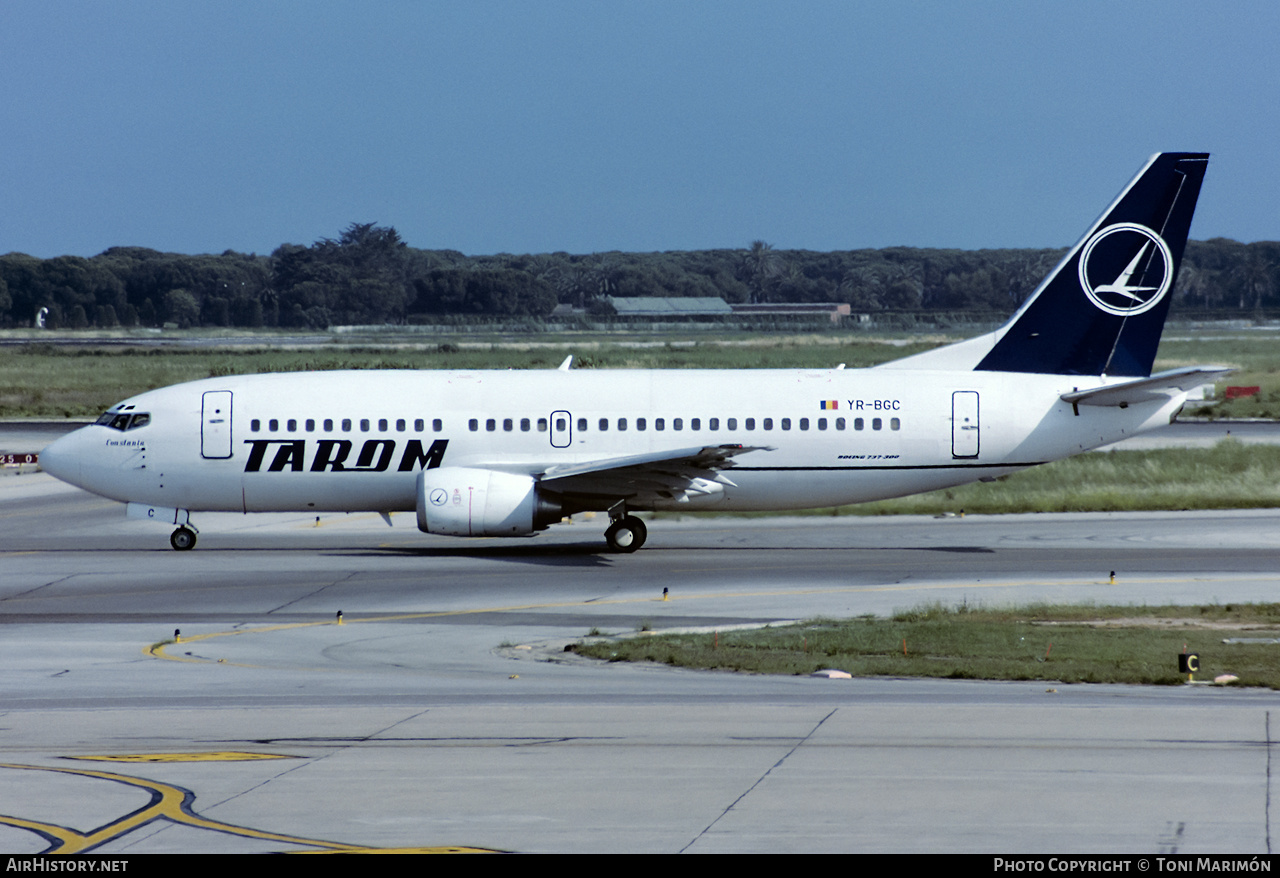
x=467 y=502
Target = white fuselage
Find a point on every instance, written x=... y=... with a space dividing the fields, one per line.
x=347 y=441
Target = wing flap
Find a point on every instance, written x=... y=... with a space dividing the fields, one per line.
x=640 y=478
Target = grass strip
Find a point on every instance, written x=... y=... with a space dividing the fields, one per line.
x=42 y=379
x=1067 y=644
x=1228 y=475
x=46 y=381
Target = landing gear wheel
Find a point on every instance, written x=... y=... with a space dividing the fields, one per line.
x=182 y=539
x=626 y=534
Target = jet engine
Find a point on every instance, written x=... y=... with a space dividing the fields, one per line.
x=462 y=501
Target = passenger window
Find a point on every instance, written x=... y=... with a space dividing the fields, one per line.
x=346 y=425
x=328 y=425
x=561 y=424
x=524 y=425
x=804 y=423
x=857 y=423
x=604 y=424
x=712 y=424
x=875 y=423
x=582 y=424
x=640 y=423
x=291 y=425
x=622 y=424
x=508 y=425
x=311 y=425
x=364 y=425
x=254 y=426
x=839 y=423
x=677 y=423
x=437 y=425
x=786 y=423
x=895 y=424
x=733 y=423
x=473 y=424
x=400 y=425
x=659 y=423
x=822 y=423
x=542 y=425
x=491 y=424
x=768 y=423
x=751 y=423
x=273 y=425
x=382 y=425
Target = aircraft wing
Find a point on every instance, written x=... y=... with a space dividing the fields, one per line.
x=1158 y=386
x=641 y=478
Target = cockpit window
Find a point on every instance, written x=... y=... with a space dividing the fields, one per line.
x=124 y=421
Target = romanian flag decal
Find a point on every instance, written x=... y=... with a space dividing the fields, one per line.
x=829 y=405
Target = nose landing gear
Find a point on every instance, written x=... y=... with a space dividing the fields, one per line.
x=183 y=538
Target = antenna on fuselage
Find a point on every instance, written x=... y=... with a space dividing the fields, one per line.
x=566 y=365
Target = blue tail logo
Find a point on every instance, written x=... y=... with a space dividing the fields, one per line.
x=1145 y=278
x=1102 y=309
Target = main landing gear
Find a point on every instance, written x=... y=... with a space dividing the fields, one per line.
x=183 y=538
x=626 y=534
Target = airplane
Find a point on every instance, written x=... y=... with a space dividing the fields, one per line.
x=508 y=453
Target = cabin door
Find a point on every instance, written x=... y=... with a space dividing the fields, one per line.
x=215 y=424
x=964 y=423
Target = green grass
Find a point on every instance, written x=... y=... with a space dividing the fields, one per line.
x=43 y=381
x=1068 y=644
x=1229 y=475
x=1255 y=354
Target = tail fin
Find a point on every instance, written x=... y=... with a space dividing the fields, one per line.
x=1102 y=309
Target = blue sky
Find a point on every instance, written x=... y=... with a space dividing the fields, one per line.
x=543 y=125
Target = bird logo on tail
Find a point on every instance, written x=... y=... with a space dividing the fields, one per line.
x=1125 y=269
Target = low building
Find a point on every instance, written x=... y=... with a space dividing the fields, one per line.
x=669 y=306
x=834 y=310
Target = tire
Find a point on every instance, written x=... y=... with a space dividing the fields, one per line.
x=626 y=535
x=183 y=539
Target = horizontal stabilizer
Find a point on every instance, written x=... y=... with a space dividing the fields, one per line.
x=1159 y=386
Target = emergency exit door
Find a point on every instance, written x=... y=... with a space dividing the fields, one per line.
x=561 y=430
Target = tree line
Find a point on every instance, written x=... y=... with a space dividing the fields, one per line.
x=368 y=275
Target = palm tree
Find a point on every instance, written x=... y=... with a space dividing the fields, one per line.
x=760 y=267
x=862 y=286
x=1253 y=273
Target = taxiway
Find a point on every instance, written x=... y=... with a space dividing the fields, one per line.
x=443 y=714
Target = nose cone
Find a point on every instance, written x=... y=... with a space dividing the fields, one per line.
x=62 y=459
